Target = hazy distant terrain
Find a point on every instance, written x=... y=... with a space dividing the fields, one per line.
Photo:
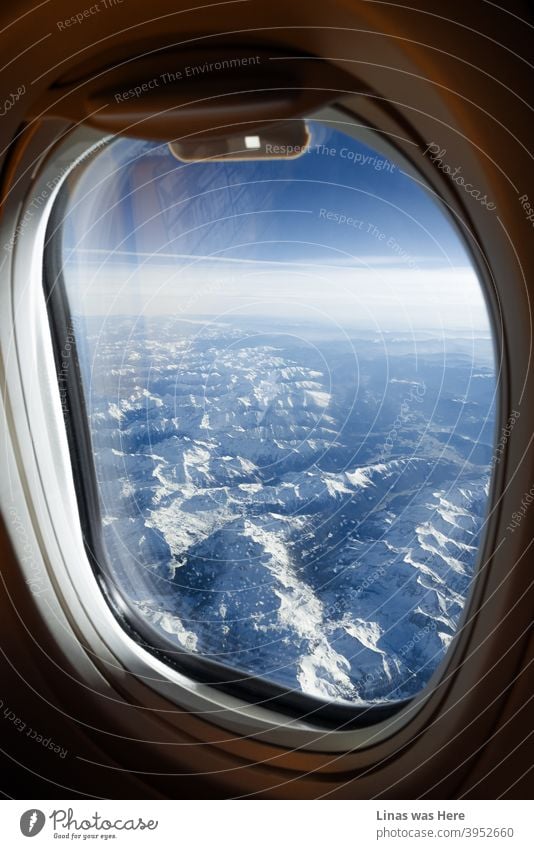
x=302 y=507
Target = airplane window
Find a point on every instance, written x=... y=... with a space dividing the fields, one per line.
x=283 y=373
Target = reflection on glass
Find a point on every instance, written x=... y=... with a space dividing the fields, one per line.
x=290 y=383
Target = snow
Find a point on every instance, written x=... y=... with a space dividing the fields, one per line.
x=251 y=514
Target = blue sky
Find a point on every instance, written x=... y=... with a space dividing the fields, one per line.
x=341 y=230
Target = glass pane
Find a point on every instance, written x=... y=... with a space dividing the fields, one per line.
x=290 y=383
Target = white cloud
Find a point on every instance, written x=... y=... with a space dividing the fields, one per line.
x=379 y=296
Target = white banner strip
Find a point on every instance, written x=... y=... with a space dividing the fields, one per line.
x=268 y=824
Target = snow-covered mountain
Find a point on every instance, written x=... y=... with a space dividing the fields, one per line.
x=301 y=508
